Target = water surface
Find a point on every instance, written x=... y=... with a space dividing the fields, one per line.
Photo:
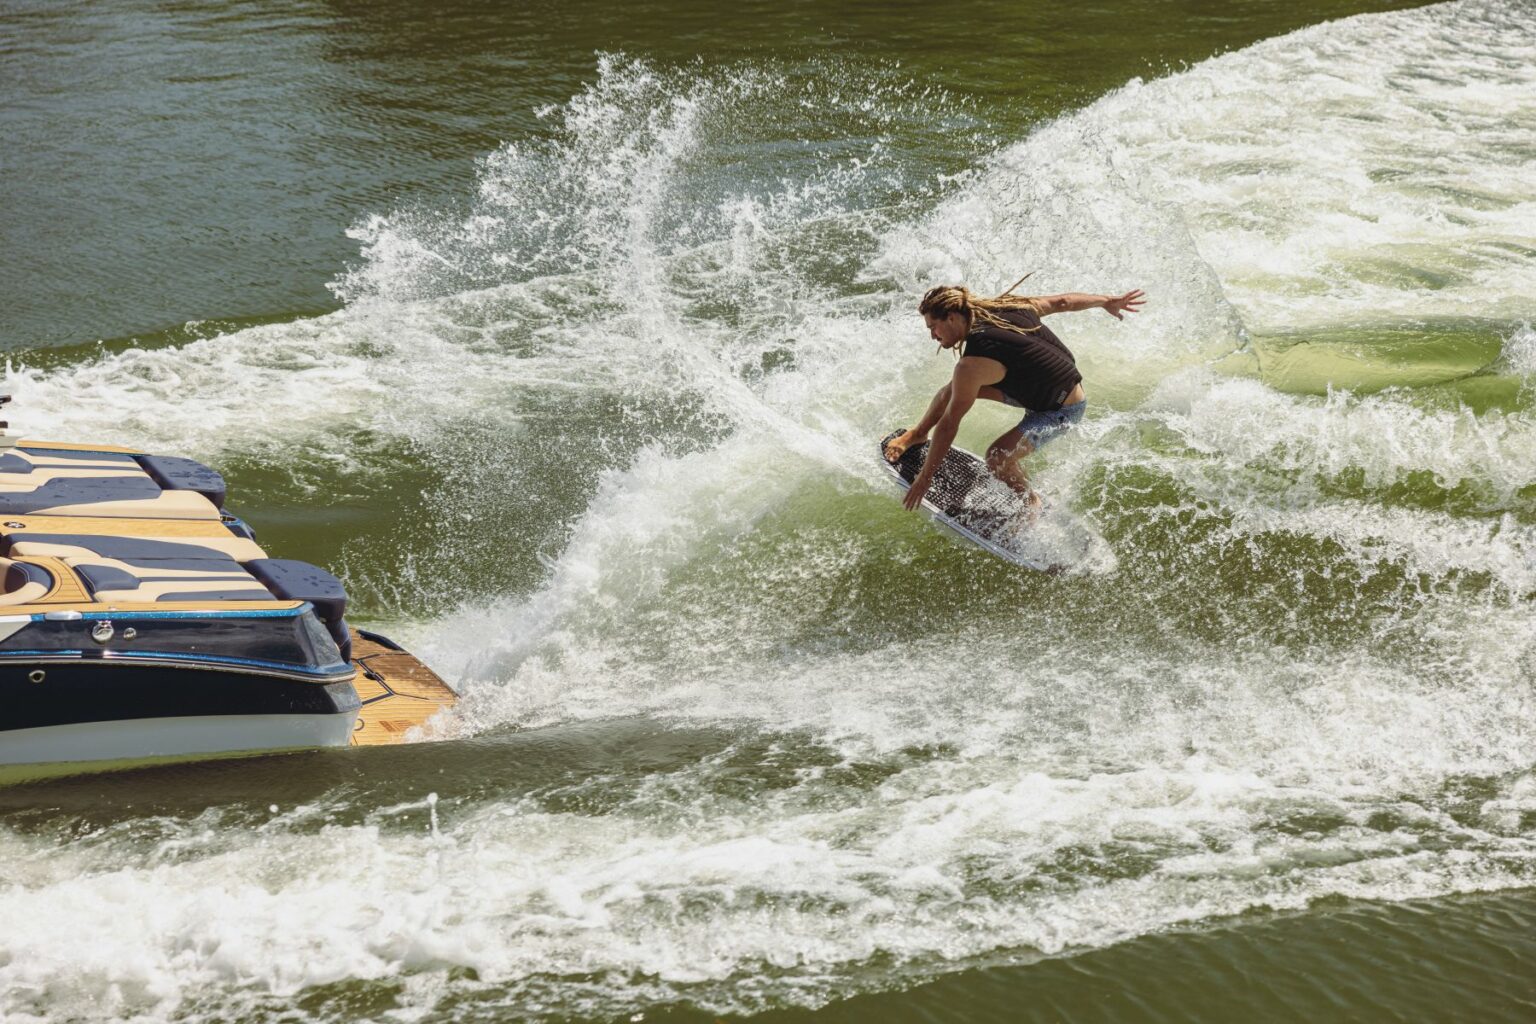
x=564 y=334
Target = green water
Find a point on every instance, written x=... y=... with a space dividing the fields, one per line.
x=175 y=163
x=563 y=333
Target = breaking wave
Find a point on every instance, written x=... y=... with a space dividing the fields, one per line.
x=646 y=363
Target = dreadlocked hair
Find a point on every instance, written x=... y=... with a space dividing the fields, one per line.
x=948 y=299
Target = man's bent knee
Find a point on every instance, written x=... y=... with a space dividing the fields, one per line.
x=999 y=456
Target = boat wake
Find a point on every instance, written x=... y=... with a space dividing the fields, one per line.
x=645 y=365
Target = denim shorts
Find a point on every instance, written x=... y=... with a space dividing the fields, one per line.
x=1039 y=428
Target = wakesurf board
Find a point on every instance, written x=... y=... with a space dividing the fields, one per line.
x=968 y=500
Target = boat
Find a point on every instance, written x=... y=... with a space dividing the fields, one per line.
x=140 y=620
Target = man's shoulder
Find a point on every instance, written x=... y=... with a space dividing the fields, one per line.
x=975 y=365
x=1022 y=317
x=1016 y=317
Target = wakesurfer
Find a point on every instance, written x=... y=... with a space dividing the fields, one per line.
x=1006 y=354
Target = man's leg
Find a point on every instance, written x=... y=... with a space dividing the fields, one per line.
x=1003 y=458
x=1034 y=430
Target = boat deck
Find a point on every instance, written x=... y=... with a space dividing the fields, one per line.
x=110 y=532
x=398 y=692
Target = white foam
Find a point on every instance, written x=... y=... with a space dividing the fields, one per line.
x=994 y=784
x=1373 y=169
x=345 y=386
x=1519 y=351
x=1242 y=423
x=1254 y=785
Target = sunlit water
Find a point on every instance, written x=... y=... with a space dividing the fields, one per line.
x=740 y=735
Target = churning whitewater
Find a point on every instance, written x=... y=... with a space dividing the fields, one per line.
x=1297 y=667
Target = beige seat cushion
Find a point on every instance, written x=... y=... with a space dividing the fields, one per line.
x=168 y=505
x=190 y=590
x=30 y=590
x=90 y=484
x=52 y=546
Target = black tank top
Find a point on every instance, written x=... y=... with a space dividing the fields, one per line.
x=1041 y=371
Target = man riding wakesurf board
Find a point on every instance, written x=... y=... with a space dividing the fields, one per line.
x=1006 y=354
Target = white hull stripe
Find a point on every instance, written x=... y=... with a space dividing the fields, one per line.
x=172 y=737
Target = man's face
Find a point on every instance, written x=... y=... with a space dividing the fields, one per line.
x=947 y=331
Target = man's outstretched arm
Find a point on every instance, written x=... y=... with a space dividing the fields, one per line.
x=1071 y=302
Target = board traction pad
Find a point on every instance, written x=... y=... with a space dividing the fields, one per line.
x=962 y=490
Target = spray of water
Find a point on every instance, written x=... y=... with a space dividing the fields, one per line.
x=1303 y=673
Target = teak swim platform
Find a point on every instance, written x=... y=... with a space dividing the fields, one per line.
x=139 y=619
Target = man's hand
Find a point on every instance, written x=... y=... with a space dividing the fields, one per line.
x=914 y=495
x=971 y=375
x=1118 y=305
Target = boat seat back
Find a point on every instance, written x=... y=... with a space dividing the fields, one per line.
x=168 y=579
x=109 y=583
x=28 y=460
x=300 y=581
x=29 y=544
x=175 y=473
x=142 y=569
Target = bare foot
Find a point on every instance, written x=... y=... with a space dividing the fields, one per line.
x=897 y=446
x=1035 y=505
